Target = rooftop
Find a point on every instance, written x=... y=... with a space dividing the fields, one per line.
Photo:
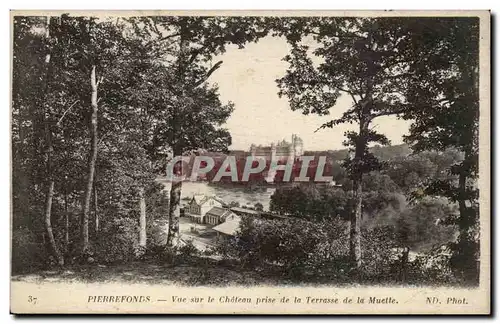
x=201 y=199
x=217 y=211
x=245 y=210
x=229 y=227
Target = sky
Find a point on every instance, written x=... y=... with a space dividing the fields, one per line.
x=247 y=78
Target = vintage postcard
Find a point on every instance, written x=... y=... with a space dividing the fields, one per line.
x=232 y=162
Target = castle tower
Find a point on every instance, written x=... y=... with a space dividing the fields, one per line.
x=273 y=151
x=253 y=150
x=297 y=146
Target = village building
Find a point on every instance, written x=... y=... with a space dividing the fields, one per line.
x=228 y=228
x=199 y=206
x=217 y=215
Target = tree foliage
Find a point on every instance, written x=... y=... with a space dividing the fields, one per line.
x=122 y=95
x=100 y=105
x=421 y=69
x=445 y=110
x=367 y=59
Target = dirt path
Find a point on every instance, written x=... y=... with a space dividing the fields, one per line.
x=148 y=272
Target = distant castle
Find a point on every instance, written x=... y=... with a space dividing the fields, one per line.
x=282 y=149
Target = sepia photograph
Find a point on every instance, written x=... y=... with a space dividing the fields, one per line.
x=250 y=163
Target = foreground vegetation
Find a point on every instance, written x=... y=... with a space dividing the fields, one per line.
x=101 y=104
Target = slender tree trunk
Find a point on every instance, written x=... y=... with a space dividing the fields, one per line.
x=174 y=210
x=355 y=226
x=96 y=213
x=467 y=247
x=356 y=215
x=66 y=222
x=48 y=224
x=91 y=165
x=142 y=219
x=463 y=223
x=49 y=151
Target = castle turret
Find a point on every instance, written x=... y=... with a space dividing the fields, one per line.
x=273 y=151
x=253 y=150
x=297 y=147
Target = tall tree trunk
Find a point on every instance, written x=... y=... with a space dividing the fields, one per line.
x=49 y=151
x=355 y=225
x=91 y=165
x=47 y=221
x=142 y=219
x=66 y=221
x=467 y=247
x=174 y=210
x=356 y=214
x=464 y=221
x=96 y=213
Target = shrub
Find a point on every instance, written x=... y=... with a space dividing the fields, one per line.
x=432 y=267
x=118 y=241
x=422 y=225
x=319 y=251
x=330 y=258
x=464 y=259
x=297 y=248
x=380 y=259
x=27 y=253
x=185 y=251
x=188 y=250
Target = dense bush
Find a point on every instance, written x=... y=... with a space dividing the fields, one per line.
x=187 y=249
x=301 y=249
x=27 y=253
x=287 y=244
x=380 y=254
x=330 y=257
x=310 y=202
x=423 y=224
x=307 y=251
x=118 y=241
x=433 y=267
x=183 y=252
